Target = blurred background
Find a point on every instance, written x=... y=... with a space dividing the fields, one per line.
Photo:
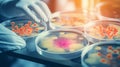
x=54 y=5
x=66 y=5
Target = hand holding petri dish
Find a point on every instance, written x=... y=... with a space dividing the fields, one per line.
x=26 y=28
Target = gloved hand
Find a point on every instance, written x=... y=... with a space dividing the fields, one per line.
x=9 y=40
x=36 y=9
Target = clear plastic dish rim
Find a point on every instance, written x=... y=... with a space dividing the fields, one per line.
x=39 y=37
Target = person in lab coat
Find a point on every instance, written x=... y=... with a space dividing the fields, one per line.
x=33 y=9
x=36 y=10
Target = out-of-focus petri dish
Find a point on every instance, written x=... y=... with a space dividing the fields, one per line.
x=102 y=30
x=101 y=54
x=71 y=19
x=60 y=44
x=108 y=10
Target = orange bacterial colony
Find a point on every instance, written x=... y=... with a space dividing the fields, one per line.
x=25 y=29
x=102 y=55
x=110 y=55
x=110 y=31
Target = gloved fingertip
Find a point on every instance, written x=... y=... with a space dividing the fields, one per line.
x=45 y=19
x=37 y=20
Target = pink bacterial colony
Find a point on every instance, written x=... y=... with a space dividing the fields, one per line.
x=62 y=42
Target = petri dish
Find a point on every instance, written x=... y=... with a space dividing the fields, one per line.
x=71 y=19
x=102 y=30
x=60 y=44
x=101 y=54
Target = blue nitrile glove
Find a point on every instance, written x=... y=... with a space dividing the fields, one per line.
x=9 y=40
x=35 y=9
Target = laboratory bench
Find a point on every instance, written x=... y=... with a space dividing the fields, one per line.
x=30 y=53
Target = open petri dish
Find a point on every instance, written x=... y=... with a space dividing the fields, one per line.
x=60 y=44
x=71 y=19
x=25 y=28
x=101 y=54
x=108 y=10
x=102 y=30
